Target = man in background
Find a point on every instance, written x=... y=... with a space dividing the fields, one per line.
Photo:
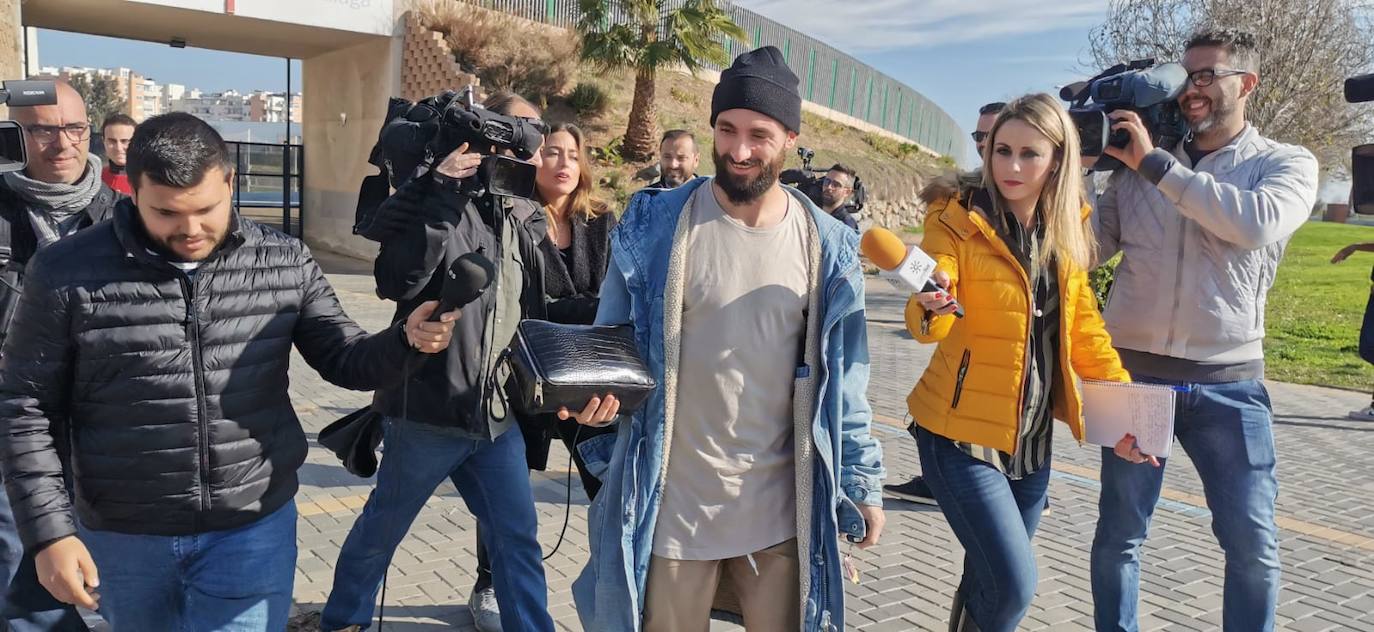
x=117 y=131
x=678 y=158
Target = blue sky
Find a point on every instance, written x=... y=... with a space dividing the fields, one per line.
x=959 y=53
x=208 y=70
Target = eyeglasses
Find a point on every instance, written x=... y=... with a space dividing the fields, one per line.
x=827 y=183
x=979 y=137
x=47 y=134
x=1206 y=76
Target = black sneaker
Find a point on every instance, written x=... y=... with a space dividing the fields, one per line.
x=916 y=491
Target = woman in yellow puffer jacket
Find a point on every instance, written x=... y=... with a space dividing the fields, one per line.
x=1012 y=243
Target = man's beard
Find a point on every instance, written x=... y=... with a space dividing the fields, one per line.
x=1219 y=111
x=674 y=179
x=743 y=189
x=165 y=245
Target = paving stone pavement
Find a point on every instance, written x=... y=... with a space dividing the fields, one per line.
x=1326 y=509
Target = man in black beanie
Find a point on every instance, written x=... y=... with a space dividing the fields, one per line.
x=729 y=488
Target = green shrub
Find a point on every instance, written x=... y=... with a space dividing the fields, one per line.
x=684 y=97
x=589 y=100
x=1101 y=279
x=890 y=147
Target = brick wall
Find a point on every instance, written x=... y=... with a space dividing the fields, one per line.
x=427 y=65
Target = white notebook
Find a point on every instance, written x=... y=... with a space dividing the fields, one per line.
x=1112 y=410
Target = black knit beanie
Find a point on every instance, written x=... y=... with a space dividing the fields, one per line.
x=760 y=80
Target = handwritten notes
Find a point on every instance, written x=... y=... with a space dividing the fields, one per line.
x=1112 y=410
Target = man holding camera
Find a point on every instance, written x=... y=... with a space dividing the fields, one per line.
x=753 y=458
x=837 y=187
x=1202 y=230
x=447 y=420
x=148 y=368
x=57 y=194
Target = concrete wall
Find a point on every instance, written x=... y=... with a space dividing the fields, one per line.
x=11 y=43
x=345 y=93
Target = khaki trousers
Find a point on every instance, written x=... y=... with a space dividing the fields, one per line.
x=680 y=593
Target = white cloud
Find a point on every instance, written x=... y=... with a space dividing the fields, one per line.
x=880 y=25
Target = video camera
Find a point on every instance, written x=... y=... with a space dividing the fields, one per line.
x=1139 y=86
x=417 y=136
x=808 y=181
x=13 y=156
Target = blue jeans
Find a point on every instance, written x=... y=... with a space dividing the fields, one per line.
x=239 y=580
x=994 y=518
x=495 y=483
x=1225 y=429
x=25 y=603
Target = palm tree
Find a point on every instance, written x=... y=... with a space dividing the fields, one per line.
x=650 y=36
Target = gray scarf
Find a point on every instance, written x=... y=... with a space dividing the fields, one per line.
x=54 y=208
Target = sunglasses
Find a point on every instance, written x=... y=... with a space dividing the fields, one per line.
x=979 y=137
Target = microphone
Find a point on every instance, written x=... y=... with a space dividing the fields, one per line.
x=1359 y=89
x=465 y=280
x=907 y=270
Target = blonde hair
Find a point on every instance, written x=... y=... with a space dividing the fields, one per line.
x=1068 y=234
x=583 y=201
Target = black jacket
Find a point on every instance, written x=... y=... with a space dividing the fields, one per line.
x=172 y=389
x=451 y=388
x=845 y=213
x=572 y=294
x=18 y=242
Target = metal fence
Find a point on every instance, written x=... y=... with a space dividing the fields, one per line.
x=269 y=180
x=828 y=77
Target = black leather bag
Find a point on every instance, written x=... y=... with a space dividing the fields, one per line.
x=554 y=366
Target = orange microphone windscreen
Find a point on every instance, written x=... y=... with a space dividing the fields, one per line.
x=883 y=248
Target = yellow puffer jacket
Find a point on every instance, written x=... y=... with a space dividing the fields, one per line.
x=972 y=389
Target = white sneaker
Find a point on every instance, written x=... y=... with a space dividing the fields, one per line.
x=1363 y=414
x=486 y=615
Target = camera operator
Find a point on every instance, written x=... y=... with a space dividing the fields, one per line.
x=447 y=421
x=837 y=190
x=1202 y=231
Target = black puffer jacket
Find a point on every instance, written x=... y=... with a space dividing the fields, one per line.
x=171 y=389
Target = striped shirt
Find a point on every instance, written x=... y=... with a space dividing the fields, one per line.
x=1037 y=418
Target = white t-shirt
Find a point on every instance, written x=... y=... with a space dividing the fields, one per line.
x=731 y=480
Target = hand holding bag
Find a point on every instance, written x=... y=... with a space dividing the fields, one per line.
x=556 y=366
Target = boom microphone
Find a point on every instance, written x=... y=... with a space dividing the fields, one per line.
x=465 y=280
x=908 y=270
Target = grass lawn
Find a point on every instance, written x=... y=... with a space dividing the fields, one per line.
x=1315 y=309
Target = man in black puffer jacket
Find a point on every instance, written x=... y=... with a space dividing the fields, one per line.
x=156 y=346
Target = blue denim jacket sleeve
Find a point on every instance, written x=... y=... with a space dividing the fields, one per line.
x=615 y=297
x=861 y=457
